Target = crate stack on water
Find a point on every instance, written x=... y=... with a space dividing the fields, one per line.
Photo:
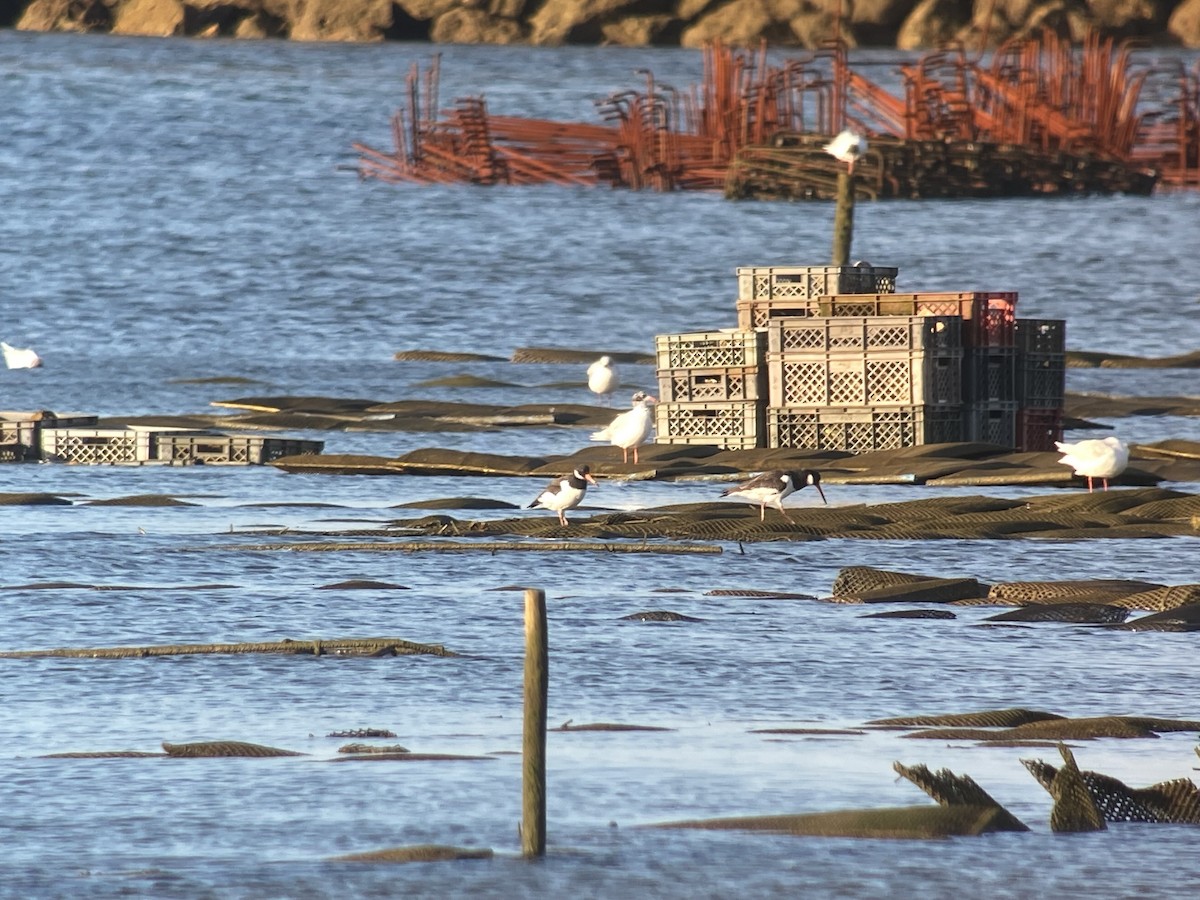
x=712 y=388
x=1041 y=382
x=861 y=383
x=844 y=362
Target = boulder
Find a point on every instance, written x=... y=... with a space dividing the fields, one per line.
x=933 y=23
x=582 y=21
x=642 y=31
x=1130 y=18
x=474 y=26
x=66 y=15
x=875 y=23
x=1184 y=24
x=342 y=20
x=740 y=23
x=150 y=18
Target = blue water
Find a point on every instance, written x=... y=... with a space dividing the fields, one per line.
x=181 y=210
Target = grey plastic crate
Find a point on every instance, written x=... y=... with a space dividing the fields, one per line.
x=733 y=425
x=792 y=282
x=876 y=378
x=864 y=429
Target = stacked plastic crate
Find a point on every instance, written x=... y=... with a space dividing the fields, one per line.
x=989 y=369
x=1041 y=382
x=711 y=388
x=861 y=383
x=713 y=384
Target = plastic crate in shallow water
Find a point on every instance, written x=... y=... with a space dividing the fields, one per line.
x=97 y=446
x=864 y=334
x=709 y=349
x=803 y=282
x=21 y=432
x=1041 y=362
x=862 y=430
x=229 y=450
x=991 y=423
x=990 y=375
x=912 y=378
x=1039 y=429
x=735 y=426
x=989 y=317
x=711 y=385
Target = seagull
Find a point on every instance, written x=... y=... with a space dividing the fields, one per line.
x=602 y=377
x=1103 y=459
x=847 y=147
x=566 y=493
x=20 y=358
x=631 y=428
x=772 y=487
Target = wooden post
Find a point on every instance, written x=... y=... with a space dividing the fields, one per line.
x=533 y=748
x=843 y=218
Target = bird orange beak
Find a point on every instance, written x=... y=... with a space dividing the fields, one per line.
x=821 y=492
x=589 y=478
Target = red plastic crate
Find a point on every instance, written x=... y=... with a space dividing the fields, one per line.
x=989 y=317
x=1038 y=429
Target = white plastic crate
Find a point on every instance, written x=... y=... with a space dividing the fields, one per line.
x=734 y=425
x=863 y=429
x=711 y=385
x=864 y=334
x=97 y=446
x=912 y=378
x=781 y=282
x=709 y=349
x=21 y=432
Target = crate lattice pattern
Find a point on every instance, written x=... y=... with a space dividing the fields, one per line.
x=98 y=448
x=992 y=423
x=901 y=380
x=866 y=333
x=803 y=282
x=991 y=375
x=1041 y=335
x=709 y=385
x=877 y=429
x=1041 y=379
x=709 y=349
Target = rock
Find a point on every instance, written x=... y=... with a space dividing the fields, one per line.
x=932 y=23
x=739 y=23
x=642 y=31
x=581 y=21
x=150 y=18
x=1184 y=24
x=66 y=15
x=474 y=26
x=342 y=20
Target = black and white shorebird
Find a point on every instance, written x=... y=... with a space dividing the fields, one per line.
x=603 y=378
x=564 y=493
x=631 y=428
x=772 y=487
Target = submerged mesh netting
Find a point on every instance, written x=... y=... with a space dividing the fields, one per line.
x=988 y=718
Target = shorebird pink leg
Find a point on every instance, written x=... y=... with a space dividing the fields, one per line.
x=624 y=455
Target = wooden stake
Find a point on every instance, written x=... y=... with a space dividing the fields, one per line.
x=843 y=219
x=533 y=749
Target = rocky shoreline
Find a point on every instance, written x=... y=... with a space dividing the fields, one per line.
x=901 y=24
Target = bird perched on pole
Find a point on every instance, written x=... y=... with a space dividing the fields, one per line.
x=631 y=428
x=603 y=378
x=1103 y=459
x=772 y=487
x=847 y=147
x=565 y=493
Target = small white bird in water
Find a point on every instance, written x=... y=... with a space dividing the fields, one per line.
x=1103 y=459
x=602 y=377
x=772 y=487
x=20 y=358
x=631 y=428
x=565 y=493
x=847 y=147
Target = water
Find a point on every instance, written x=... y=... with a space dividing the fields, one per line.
x=179 y=210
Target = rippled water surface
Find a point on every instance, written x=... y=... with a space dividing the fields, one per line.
x=175 y=211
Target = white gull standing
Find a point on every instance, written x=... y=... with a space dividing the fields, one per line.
x=631 y=428
x=565 y=493
x=20 y=358
x=1103 y=459
x=602 y=377
x=847 y=147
